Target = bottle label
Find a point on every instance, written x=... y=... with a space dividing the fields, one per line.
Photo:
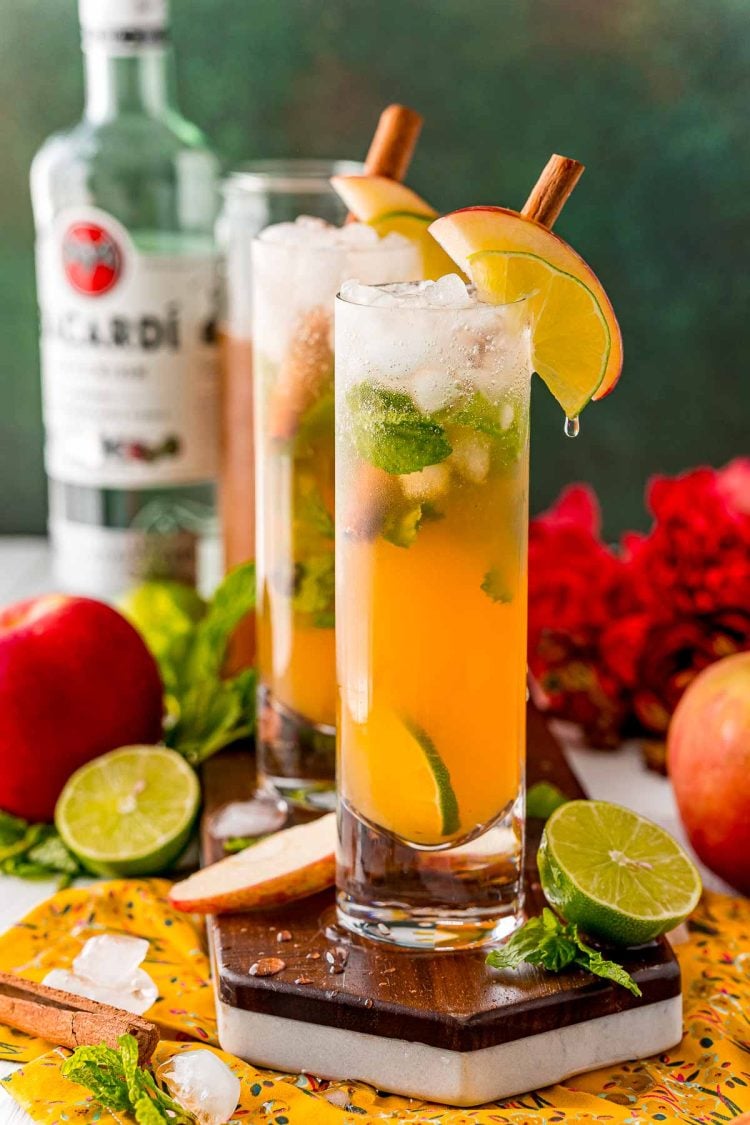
x=129 y=358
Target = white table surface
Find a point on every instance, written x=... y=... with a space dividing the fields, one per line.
x=618 y=776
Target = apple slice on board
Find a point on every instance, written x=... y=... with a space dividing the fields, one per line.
x=390 y=207
x=290 y=864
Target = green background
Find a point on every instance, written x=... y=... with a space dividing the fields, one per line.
x=653 y=95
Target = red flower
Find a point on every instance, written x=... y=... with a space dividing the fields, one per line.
x=574 y=586
x=616 y=638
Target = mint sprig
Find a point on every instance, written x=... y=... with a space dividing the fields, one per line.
x=35 y=851
x=556 y=945
x=189 y=639
x=119 y=1084
x=390 y=432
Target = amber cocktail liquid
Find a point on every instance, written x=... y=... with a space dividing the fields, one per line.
x=432 y=512
x=297 y=270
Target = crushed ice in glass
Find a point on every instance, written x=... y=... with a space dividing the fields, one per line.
x=448 y=292
x=309 y=231
x=107 y=970
x=202 y=1084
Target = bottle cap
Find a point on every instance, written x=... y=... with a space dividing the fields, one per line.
x=123 y=26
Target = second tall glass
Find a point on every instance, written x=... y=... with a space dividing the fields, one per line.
x=297 y=271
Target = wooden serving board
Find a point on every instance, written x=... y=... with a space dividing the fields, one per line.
x=438 y=1025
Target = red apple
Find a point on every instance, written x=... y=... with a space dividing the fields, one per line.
x=708 y=757
x=76 y=680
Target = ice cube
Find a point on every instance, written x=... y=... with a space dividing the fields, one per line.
x=203 y=1085
x=257 y=817
x=431 y=389
x=306 y=230
x=426 y=484
x=357 y=235
x=506 y=417
x=471 y=456
x=110 y=959
x=450 y=292
x=358 y=294
x=136 y=995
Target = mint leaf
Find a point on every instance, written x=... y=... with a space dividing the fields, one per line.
x=311 y=514
x=232 y=601
x=479 y=414
x=35 y=851
x=189 y=639
x=117 y=1083
x=165 y=614
x=495 y=586
x=100 y=1070
x=317 y=424
x=401 y=525
x=12 y=829
x=391 y=433
x=519 y=946
x=476 y=413
x=234 y=844
x=592 y=960
x=556 y=945
x=314 y=589
x=543 y=798
x=212 y=715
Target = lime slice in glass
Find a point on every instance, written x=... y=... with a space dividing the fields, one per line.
x=129 y=812
x=619 y=876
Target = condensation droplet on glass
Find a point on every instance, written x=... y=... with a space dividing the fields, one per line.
x=572 y=427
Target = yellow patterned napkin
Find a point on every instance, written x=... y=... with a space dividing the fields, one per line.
x=706 y=1079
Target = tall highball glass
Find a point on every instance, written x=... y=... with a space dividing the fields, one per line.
x=432 y=427
x=297 y=270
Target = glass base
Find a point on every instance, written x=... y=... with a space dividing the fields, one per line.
x=432 y=930
x=296 y=758
x=444 y=898
x=313 y=796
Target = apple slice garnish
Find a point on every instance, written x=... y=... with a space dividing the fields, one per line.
x=473 y=230
x=371 y=197
x=290 y=864
x=390 y=207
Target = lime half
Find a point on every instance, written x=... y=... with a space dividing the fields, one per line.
x=129 y=812
x=619 y=876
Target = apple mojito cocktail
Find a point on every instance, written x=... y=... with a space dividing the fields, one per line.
x=432 y=502
x=432 y=432
x=297 y=270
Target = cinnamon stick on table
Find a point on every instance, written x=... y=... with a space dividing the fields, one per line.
x=308 y=363
x=68 y=1020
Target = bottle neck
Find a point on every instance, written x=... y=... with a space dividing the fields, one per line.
x=140 y=83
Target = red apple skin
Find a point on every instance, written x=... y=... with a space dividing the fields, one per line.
x=708 y=758
x=76 y=680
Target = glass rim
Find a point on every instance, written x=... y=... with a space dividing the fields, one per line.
x=288 y=174
x=482 y=306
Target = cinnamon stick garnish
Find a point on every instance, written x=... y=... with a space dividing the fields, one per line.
x=68 y=1020
x=393 y=143
x=550 y=192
